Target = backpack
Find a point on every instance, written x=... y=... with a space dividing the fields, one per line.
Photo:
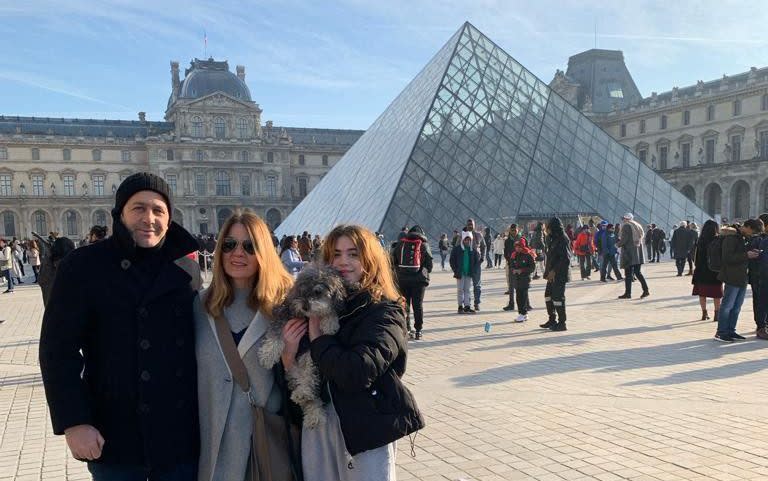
x=715 y=254
x=409 y=257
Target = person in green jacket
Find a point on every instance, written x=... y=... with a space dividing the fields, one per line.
x=464 y=260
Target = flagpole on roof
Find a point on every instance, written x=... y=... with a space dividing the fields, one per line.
x=205 y=44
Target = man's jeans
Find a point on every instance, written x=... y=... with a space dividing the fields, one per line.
x=730 y=307
x=609 y=262
x=477 y=283
x=130 y=472
x=7 y=275
x=680 y=264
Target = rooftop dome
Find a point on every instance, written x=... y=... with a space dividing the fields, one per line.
x=204 y=77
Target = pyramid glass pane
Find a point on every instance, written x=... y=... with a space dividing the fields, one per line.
x=477 y=135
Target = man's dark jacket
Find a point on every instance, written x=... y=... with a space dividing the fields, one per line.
x=363 y=364
x=130 y=311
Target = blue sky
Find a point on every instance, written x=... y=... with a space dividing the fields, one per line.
x=338 y=64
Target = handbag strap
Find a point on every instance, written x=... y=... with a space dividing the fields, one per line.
x=231 y=356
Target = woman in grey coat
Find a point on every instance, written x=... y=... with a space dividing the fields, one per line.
x=248 y=281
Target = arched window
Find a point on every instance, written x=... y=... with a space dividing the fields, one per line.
x=242 y=128
x=9 y=224
x=99 y=218
x=219 y=127
x=274 y=218
x=713 y=199
x=303 y=187
x=689 y=192
x=222 y=216
x=40 y=222
x=244 y=155
x=71 y=224
x=740 y=200
x=197 y=127
x=223 y=183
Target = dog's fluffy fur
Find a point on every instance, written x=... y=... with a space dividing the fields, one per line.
x=318 y=291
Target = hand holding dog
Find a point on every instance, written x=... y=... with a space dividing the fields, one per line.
x=293 y=331
x=314 y=328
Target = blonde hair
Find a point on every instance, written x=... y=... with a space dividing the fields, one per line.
x=272 y=280
x=377 y=277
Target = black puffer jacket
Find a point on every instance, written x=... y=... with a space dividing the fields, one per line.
x=123 y=318
x=363 y=364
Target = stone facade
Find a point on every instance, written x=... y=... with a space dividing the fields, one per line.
x=710 y=140
x=61 y=174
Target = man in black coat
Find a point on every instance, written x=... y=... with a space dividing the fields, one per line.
x=120 y=313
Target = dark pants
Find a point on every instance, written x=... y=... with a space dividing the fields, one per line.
x=414 y=296
x=756 y=293
x=488 y=261
x=477 y=283
x=762 y=305
x=585 y=264
x=36 y=270
x=521 y=294
x=609 y=260
x=554 y=297
x=443 y=256
x=656 y=256
x=129 y=472
x=7 y=275
x=629 y=272
x=690 y=262
x=511 y=286
x=680 y=263
x=498 y=259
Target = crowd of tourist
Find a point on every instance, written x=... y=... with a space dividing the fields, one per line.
x=146 y=372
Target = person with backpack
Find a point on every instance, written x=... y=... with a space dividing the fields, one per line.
x=444 y=246
x=464 y=261
x=733 y=273
x=584 y=248
x=608 y=241
x=522 y=265
x=412 y=260
x=705 y=281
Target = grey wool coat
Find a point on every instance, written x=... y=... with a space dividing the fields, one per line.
x=226 y=420
x=631 y=244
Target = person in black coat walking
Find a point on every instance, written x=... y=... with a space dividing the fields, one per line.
x=412 y=260
x=556 y=273
x=117 y=350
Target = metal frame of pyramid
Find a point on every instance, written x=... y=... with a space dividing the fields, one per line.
x=475 y=134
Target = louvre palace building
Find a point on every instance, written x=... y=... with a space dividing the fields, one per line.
x=60 y=174
x=709 y=140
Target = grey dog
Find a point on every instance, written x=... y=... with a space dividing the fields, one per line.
x=318 y=291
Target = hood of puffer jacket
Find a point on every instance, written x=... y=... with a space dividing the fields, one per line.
x=415 y=235
x=728 y=230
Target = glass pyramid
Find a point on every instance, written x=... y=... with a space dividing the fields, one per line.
x=477 y=135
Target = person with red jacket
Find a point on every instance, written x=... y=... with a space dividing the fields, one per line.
x=584 y=247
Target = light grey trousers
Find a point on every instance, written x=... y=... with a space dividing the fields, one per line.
x=464 y=290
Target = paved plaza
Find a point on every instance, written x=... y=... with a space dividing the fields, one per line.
x=633 y=390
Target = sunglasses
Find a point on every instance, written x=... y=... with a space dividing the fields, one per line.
x=229 y=244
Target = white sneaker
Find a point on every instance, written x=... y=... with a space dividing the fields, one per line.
x=521 y=318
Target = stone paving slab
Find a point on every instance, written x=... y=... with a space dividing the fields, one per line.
x=634 y=390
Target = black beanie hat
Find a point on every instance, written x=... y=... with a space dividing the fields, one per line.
x=136 y=183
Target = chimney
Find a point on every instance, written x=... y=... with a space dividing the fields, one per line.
x=175 y=77
x=142 y=116
x=241 y=72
